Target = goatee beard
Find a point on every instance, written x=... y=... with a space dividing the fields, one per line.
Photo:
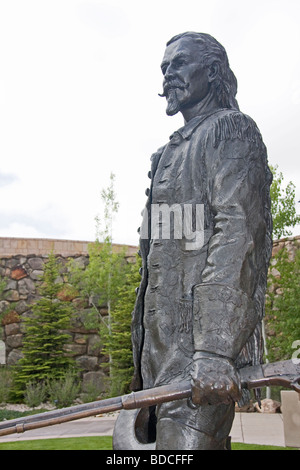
x=173 y=103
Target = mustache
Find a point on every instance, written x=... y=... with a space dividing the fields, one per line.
x=168 y=85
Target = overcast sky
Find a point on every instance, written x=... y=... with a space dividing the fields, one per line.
x=79 y=84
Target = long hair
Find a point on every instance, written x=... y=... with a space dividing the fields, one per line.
x=225 y=84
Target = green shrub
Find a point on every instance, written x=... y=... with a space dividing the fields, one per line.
x=91 y=393
x=6 y=382
x=283 y=306
x=35 y=394
x=62 y=392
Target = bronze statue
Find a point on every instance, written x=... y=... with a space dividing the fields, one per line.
x=199 y=307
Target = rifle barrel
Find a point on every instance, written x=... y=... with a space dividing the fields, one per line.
x=284 y=373
x=133 y=400
x=63 y=415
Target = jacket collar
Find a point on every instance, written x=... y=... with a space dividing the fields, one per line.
x=186 y=131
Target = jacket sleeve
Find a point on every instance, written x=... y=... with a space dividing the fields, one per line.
x=225 y=309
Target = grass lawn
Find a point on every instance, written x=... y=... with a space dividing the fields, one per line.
x=97 y=443
x=87 y=443
x=68 y=443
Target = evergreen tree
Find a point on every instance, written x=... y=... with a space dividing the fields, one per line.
x=44 y=354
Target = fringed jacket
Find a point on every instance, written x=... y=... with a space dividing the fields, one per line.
x=210 y=298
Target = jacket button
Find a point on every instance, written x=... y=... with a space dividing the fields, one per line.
x=149 y=174
x=147 y=192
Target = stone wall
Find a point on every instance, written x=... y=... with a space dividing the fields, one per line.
x=292 y=244
x=23 y=268
x=22 y=271
x=43 y=246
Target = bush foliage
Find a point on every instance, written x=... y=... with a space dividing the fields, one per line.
x=283 y=306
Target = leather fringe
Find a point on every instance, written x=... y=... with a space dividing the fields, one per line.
x=236 y=126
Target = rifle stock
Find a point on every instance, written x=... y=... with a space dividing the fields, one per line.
x=284 y=373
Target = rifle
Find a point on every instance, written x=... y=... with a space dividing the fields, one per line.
x=283 y=373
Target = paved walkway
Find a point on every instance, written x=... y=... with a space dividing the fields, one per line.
x=249 y=428
x=258 y=428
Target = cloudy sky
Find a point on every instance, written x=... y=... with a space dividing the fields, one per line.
x=79 y=84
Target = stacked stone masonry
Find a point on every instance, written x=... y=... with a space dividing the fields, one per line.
x=22 y=265
x=43 y=246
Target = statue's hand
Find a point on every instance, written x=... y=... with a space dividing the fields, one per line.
x=214 y=380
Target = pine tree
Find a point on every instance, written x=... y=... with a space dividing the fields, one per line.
x=44 y=354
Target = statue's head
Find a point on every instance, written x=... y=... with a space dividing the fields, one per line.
x=195 y=66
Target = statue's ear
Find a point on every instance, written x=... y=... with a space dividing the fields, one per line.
x=213 y=71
